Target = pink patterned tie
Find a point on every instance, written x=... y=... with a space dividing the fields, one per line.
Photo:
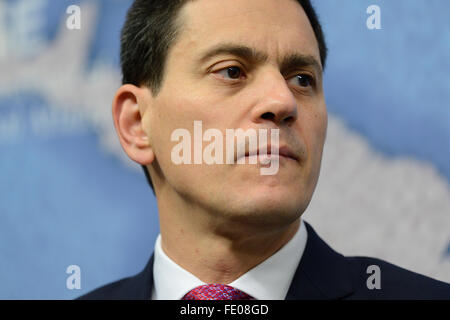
x=216 y=292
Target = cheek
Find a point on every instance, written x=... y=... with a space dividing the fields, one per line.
x=314 y=127
x=321 y=125
x=172 y=112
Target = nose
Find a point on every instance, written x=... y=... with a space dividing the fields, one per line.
x=276 y=102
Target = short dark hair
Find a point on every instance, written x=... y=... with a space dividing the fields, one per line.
x=150 y=29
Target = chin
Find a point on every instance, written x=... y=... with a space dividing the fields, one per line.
x=278 y=205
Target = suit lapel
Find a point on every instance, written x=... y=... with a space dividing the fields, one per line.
x=322 y=272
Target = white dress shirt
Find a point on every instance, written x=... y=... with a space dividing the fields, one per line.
x=269 y=280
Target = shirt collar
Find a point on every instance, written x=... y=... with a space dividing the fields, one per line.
x=269 y=280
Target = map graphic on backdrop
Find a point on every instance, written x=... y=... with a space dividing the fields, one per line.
x=69 y=195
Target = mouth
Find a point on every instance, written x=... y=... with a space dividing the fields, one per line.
x=282 y=152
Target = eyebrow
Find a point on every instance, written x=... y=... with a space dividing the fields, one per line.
x=289 y=62
x=296 y=60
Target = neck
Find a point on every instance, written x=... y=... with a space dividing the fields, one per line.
x=214 y=248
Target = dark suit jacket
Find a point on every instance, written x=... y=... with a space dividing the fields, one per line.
x=321 y=274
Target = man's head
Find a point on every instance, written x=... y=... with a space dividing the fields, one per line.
x=231 y=64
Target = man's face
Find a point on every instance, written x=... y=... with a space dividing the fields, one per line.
x=256 y=93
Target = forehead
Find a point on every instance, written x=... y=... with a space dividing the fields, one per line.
x=275 y=27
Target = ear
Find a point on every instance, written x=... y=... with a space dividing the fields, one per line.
x=128 y=108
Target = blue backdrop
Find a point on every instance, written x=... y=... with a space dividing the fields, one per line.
x=68 y=196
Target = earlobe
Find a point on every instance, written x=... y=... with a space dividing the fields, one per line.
x=128 y=108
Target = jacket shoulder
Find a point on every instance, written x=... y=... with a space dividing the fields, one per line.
x=117 y=290
x=138 y=287
x=378 y=279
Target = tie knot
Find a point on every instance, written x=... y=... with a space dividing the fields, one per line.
x=216 y=292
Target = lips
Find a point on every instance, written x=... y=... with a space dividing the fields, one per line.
x=283 y=151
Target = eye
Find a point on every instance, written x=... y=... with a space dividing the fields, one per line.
x=302 y=80
x=231 y=72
